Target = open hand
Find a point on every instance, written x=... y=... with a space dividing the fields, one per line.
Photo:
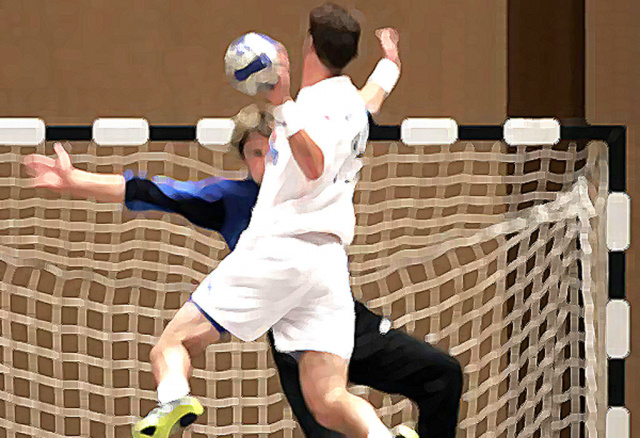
x=49 y=173
x=389 y=39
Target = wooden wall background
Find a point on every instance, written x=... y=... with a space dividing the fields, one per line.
x=70 y=62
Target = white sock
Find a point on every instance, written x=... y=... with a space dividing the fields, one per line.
x=173 y=387
x=379 y=430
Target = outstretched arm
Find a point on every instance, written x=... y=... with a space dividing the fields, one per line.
x=200 y=202
x=383 y=79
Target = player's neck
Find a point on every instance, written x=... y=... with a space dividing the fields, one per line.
x=313 y=71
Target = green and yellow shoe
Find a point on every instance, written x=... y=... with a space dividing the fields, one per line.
x=167 y=419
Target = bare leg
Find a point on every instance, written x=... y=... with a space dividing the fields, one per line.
x=323 y=378
x=187 y=335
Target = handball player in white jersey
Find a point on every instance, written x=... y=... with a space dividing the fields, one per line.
x=289 y=271
x=218 y=204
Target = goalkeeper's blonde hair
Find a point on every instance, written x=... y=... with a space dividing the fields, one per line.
x=250 y=119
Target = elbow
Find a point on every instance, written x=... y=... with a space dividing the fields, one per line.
x=308 y=155
x=313 y=167
x=318 y=168
x=313 y=172
x=373 y=106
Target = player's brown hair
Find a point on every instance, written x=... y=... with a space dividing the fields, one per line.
x=335 y=35
x=250 y=119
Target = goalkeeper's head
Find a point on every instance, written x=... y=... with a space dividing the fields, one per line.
x=250 y=137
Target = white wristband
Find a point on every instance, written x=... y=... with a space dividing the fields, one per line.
x=288 y=115
x=386 y=74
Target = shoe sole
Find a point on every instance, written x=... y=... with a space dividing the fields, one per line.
x=183 y=421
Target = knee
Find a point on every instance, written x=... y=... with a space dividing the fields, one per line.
x=325 y=408
x=450 y=380
x=156 y=352
x=455 y=376
x=442 y=376
x=166 y=341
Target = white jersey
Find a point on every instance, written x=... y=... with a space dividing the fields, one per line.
x=335 y=117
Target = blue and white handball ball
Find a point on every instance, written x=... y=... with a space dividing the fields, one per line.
x=251 y=63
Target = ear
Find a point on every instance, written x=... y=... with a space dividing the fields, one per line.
x=308 y=44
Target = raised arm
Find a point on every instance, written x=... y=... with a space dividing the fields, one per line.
x=305 y=151
x=385 y=76
x=60 y=176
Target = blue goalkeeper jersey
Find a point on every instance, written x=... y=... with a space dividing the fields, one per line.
x=217 y=204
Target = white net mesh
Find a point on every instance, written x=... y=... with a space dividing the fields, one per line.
x=493 y=253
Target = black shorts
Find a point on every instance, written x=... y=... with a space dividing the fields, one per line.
x=393 y=362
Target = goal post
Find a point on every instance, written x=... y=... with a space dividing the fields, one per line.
x=496 y=252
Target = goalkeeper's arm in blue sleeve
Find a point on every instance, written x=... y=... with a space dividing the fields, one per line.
x=200 y=202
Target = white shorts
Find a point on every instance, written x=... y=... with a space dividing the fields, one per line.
x=299 y=286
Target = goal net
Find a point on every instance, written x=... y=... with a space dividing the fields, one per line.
x=493 y=253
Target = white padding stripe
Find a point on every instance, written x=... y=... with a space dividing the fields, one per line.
x=16 y=131
x=618 y=424
x=120 y=132
x=618 y=331
x=214 y=131
x=618 y=221
x=428 y=131
x=528 y=132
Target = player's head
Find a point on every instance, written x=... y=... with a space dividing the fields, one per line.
x=250 y=137
x=333 y=37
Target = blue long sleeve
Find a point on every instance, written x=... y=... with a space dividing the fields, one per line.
x=213 y=203
x=189 y=199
